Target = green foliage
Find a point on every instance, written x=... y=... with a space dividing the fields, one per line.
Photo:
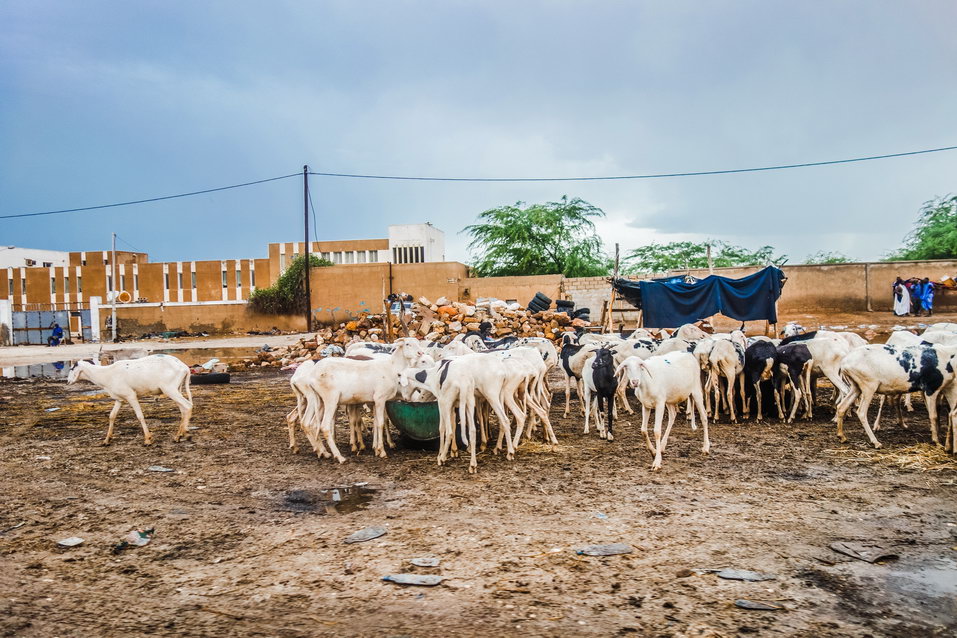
x=682 y=255
x=935 y=232
x=288 y=295
x=541 y=239
x=827 y=257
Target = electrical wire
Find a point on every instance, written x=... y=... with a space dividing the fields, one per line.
x=627 y=177
x=151 y=199
x=486 y=179
x=129 y=244
x=315 y=232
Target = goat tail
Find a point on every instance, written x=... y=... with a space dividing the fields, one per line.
x=189 y=393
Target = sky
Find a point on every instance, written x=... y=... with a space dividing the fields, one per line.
x=104 y=102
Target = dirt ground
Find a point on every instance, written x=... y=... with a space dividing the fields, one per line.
x=247 y=543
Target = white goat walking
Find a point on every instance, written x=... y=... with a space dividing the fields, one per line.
x=127 y=380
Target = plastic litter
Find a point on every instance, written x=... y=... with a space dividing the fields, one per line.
x=136 y=538
x=744 y=574
x=414 y=579
x=51 y=409
x=866 y=552
x=426 y=561
x=159 y=468
x=209 y=364
x=364 y=535
x=757 y=605
x=601 y=515
x=73 y=541
x=612 y=549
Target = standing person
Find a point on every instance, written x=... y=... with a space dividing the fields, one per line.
x=912 y=289
x=901 y=298
x=926 y=288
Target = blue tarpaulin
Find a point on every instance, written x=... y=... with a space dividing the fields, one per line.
x=672 y=302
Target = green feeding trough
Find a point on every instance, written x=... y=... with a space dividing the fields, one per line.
x=418 y=421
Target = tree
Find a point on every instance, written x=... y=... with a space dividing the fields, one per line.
x=683 y=255
x=541 y=239
x=827 y=257
x=935 y=232
x=288 y=295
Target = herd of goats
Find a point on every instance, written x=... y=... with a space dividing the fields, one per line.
x=706 y=374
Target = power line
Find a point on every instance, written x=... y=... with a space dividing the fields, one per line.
x=129 y=244
x=315 y=232
x=626 y=177
x=151 y=199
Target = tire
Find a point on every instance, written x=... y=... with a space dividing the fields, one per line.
x=536 y=306
x=581 y=311
x=564 y=303
x=543 y=299
x=583 y=318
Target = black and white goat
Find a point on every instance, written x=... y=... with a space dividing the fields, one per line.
x=599 y=379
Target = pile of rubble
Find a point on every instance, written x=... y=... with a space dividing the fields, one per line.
x=439 y=321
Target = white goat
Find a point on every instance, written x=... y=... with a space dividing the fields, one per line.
x=663 y=383
x=127 y=380
x=351 y=381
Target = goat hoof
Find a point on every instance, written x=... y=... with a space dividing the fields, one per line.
x=294 y=449
x=611 y=437
x=878 y=446
x=705 y=449
x=473 y=469
x=510 y=457
x=104 y=443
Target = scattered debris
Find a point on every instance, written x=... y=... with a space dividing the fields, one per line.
x=51 y=410
x=136 y=538
x=159 y=468
x=73 y=541
x=601 y=516
x=869 y=553
x=758 y=605
x=423 y=580
x=744 y=574
x=612 y=549
x=426 y=561
x=10 y=529
x=43 y=458
x=364 y=535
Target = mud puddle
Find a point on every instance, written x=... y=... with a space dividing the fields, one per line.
x=334 y=500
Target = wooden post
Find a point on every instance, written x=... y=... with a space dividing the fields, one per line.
x=611 y=304
x=388 y=320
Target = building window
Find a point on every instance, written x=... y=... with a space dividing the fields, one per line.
x=361 y=257
x=224 y=279
x=373 y=256
x=83 y=263
x=109 y=282
x=239 y=279
x=252 y=278
x=105 y=261
x=165 y=281
x=122 y=282
x=66 y=285
x=52 y=285
x=192 y=278
x=23 y=286
x=79 y=284
x=179 y=281
x=10 y=282
x=282 y=264
x=136 y=281
x=47 y=264
x=350 y=256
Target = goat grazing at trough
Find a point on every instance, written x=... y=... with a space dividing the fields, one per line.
x=356 y=381
x=599 y=377
x=759 y=360
x=664 y=383
x=127 y=380
x=887 y=370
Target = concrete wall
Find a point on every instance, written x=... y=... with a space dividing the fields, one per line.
x=212 y=318
x=521 y=289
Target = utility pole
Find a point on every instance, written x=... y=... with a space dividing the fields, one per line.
x=305 y=216
x=113 y=288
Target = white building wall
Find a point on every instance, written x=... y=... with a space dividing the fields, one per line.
x=404 y=238
x=13 y=256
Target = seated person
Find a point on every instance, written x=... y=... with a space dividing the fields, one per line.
x=56 y=336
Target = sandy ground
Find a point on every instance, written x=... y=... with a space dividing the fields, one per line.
x=248 y=544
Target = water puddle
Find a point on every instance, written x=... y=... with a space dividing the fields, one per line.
x=334 y=500
x=56 y=370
